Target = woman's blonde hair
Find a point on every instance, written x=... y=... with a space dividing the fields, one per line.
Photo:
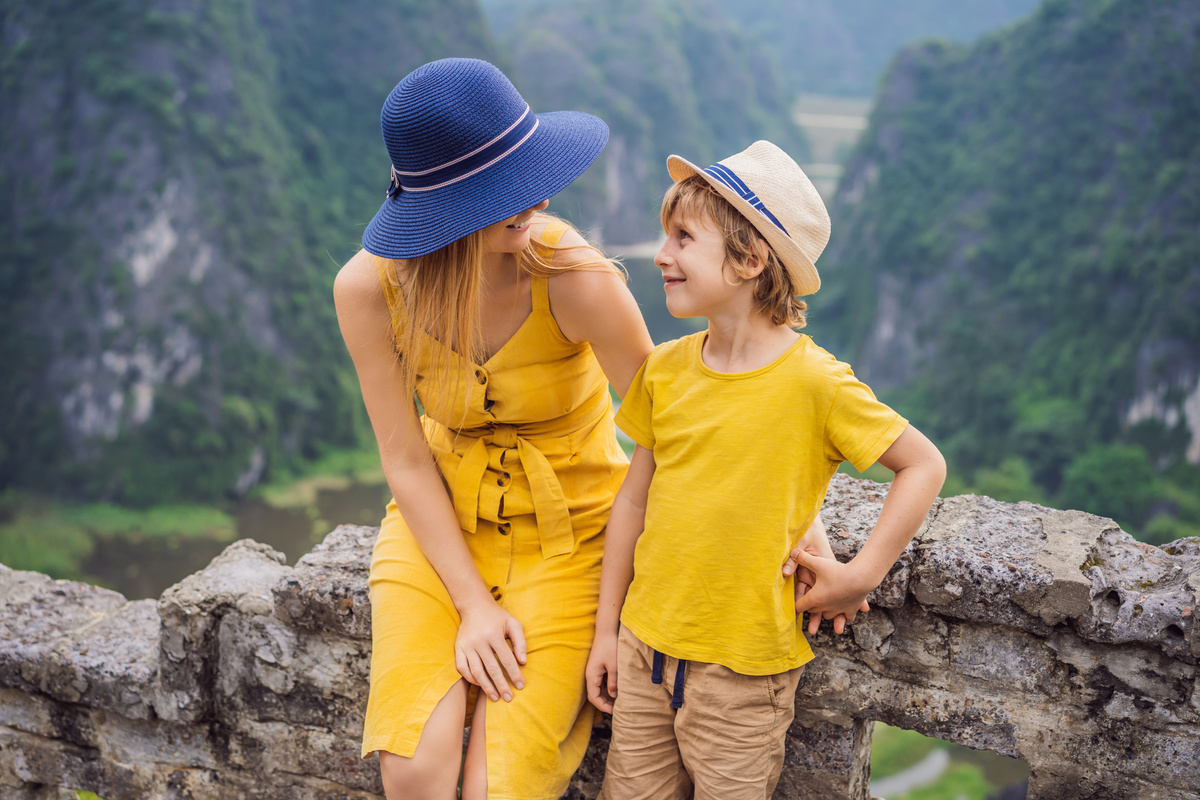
x=443 y=292
x=774 y=295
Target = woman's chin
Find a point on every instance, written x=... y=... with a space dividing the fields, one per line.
x=508 y=240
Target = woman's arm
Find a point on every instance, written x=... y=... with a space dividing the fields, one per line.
x=597 y=307
x=625 y=525
x=481 y=652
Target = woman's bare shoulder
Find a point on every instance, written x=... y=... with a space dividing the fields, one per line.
x=358 y=277
x=573 y=248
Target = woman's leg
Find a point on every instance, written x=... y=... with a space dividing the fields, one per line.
x=432 y=772
x=474 y=783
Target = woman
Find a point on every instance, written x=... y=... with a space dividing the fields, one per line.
x=509 y=328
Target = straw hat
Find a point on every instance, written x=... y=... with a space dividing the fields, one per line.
x=467 y=152
x=770 y=190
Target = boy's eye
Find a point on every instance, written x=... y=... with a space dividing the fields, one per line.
x=684 y=234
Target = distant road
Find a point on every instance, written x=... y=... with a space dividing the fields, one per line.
x=838 y=121
x=923 y=773
x=832 y=125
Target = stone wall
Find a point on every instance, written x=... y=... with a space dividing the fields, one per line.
x=1050 y=636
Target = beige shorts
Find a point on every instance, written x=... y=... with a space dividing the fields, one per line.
x=724 y=742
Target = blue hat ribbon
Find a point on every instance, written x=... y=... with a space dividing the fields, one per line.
x=728 y=177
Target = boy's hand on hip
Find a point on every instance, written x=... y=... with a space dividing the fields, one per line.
x=490 y=644
x=601 y=673
x=805 y=580
x=827 y=589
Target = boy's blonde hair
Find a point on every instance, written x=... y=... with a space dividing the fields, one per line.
x=774 y=295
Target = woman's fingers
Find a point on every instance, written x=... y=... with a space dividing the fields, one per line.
x=490 y=650
x=508 y=661
x=495 y=673
x=516 y=634
x=479 y=675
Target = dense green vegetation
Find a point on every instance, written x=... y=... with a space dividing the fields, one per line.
x=1031 y=203
x=822 y=46
x=266 y=114
x=1030 y=207
x=843 y=46
x=667 y=76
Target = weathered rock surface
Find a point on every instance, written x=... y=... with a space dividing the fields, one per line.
x=1046 y=635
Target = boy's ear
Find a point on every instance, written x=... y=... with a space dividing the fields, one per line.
x=758 y=260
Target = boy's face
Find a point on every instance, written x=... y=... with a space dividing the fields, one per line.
x=692 y=260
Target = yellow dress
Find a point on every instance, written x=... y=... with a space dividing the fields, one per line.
x=532 y=465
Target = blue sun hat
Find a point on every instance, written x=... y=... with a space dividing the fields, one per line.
x=467 y=152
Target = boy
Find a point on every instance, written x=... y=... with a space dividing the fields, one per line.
x=739 y=429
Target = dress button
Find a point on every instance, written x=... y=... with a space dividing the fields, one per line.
x=505 y=527
x=504 y=479
x=480 y=376
x=496 y=593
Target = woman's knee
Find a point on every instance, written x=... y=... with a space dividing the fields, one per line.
x=417 y=778
x=432 y=771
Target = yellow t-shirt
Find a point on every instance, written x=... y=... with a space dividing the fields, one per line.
x=743 y=464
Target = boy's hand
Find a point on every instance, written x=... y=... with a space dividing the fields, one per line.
x=601 y=672
x=816 y=543
x=837 y=589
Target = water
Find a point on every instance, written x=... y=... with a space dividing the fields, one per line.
x=141 y=568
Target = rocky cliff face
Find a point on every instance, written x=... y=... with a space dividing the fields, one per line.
x=1046 y=635
x=1014 y=246
x=668 y=77
x=167 y=329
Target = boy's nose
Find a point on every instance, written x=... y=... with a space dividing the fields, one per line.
x=661 y=259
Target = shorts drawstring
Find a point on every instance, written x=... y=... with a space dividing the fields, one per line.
x=656 y=677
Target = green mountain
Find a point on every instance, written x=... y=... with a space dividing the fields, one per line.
x=180 y=183
x=1015 y=258
x=842 y=47
x=668 y=76
x=839 y=47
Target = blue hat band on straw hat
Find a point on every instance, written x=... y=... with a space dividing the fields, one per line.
x=728 y=177
x=472 y=163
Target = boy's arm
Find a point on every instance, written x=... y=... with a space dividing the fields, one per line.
x=842 y=588
x=625 y=524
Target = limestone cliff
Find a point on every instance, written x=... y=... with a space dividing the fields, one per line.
x=1014 y=255
x=180 y=183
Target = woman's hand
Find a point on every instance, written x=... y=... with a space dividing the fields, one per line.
x=490 y=644
x=601 y=672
